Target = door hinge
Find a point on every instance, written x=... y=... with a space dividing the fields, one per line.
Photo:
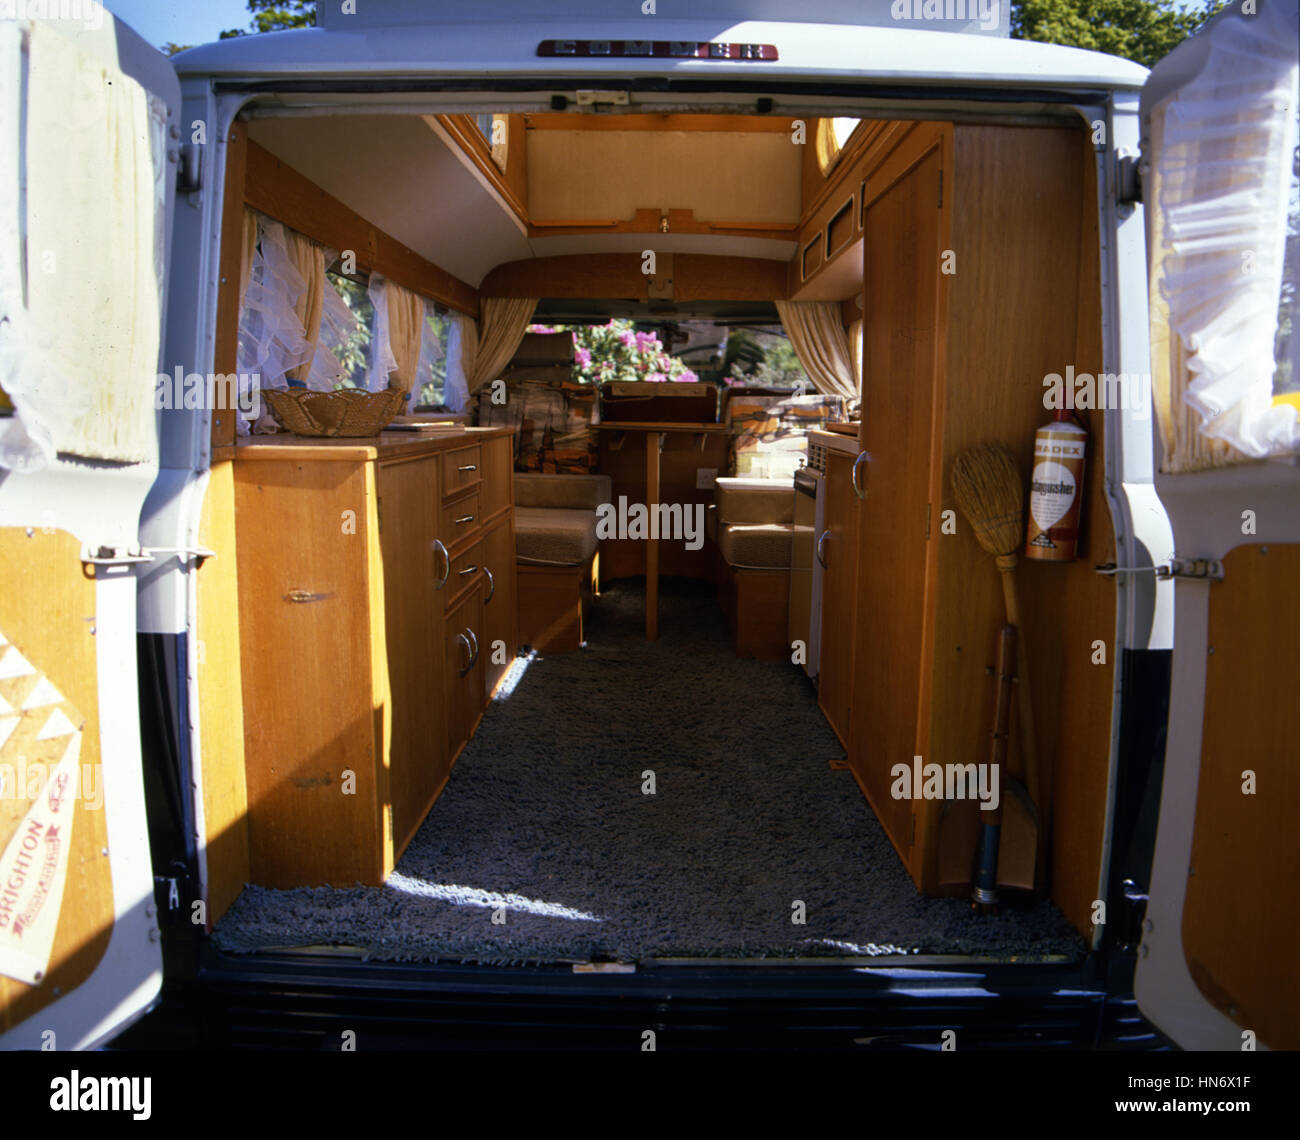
x=1210 y=568
x=121 y=556
x=189 y=169
x=1128 y=179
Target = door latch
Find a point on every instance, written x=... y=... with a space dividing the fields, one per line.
x=1204 y=568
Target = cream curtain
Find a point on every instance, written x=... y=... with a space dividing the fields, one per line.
x=78 y=354
x=817 y=334
x=309 y=259
x=487 y=349
x=247 y=254
x=405 y=335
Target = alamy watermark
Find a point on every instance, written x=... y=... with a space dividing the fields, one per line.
x=237 y=391
x=947 y=782
x=1082 y=391
x=90 y=13
x=673 y=521
x=26 y=781
x=987 y=13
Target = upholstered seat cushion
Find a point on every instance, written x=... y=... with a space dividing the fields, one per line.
x=754 y=500
x=554 y=536
x=760 y=546
x=571 y=492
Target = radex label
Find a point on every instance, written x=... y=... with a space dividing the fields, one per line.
x=1055 y=493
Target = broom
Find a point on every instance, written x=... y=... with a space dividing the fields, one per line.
x=987 y=486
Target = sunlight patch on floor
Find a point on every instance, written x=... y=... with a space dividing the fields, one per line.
x=871 y=948
x=474 y=896
x=513 y=675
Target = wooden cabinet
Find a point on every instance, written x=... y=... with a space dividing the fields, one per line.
x=980 y=279
x=837 y=547
x=463 y=689
x=412 y=623
x=361 y=595
x=500 y=617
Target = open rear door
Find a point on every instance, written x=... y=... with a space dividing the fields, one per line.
x=1216 y=967
x=88 y=114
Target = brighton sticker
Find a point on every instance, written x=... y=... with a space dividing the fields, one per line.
x=38 y=766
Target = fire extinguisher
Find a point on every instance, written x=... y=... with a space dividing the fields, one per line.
x=1056 y=490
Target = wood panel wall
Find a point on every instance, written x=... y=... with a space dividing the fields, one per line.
x=1024 y=302
x=51 y=620
x=694 y=277
x=1241 y=914
x=220 y=697
x=276 y=189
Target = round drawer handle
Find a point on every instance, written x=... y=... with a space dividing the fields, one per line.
x=821 y=542
x=492 y=585
x=438 y=548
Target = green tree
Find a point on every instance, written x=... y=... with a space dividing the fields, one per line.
x=277 y=15
x=1141 y=30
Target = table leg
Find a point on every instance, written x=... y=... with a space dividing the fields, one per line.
x=653 y=441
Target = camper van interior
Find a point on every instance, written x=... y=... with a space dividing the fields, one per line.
x=783 y=529
x=459 y=703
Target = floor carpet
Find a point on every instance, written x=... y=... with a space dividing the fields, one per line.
x=544 y=846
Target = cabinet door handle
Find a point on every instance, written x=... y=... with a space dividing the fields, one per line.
x=857 y=487
x=492 y=585
x=438 y=548
x=474 y=659
x=468 y=467
x=821 y=541
x=463 y=519
x=467 y=570
x=470 y=663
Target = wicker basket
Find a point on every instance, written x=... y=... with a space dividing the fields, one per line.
x=348 y=412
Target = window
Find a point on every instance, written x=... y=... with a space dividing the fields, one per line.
x=495 y=129
x=432 y=392
x=832 y=134
x=353 y=354
x=351 y=343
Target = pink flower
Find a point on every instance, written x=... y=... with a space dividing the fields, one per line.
x=627 y=338
x=656 y=377
x=583 y=357
x=687 y=377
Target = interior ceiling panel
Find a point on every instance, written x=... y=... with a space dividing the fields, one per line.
x=720 y=245
x=396 y=173
x=724 y=176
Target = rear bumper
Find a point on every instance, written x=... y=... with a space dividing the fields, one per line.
x=309 y=1001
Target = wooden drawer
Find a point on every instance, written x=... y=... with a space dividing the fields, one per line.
x=466 y=569
x=459 y=518
x=461 y=470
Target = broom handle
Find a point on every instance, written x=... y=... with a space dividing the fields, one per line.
x=1028 y=734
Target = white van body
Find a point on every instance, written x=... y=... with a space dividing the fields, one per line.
x=836 y=58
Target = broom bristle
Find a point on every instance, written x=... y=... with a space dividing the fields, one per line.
x=986 y=484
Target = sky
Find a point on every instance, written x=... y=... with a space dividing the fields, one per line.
x=181 y=21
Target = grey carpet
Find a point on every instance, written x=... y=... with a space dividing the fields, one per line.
x=544 y=815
